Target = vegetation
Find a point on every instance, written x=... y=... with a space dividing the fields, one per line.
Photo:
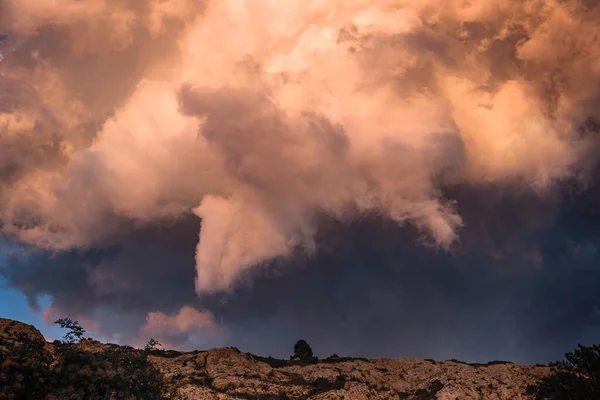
x=423 y=394
x=122 y=373
x=577 y=377
x=322 y=385
x=303 y=352
x=152 y=345
x=28 y=370
x=489 y=363
x=454 y=360
x=499 y=362
x=75 y=332
x=24 y=368
x=80 y=368
x=163 y=353
x=335 y=360
x=272 y=362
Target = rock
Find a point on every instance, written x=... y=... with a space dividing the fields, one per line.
x=19 y=337
x=14 y=330
x=227 y=373
x=24 y=361
x=201 y=359
x=31 y=368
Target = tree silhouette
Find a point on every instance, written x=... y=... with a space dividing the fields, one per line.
x=578 y=377
x=302 y=351
x=76 y=331
x=152 y=345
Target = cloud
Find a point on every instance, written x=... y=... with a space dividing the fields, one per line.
x=174 y=329
x=51 y=314
x=240 y=127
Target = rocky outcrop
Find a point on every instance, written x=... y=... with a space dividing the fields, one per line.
x=230 y=374
x=12 y=329
x=31 y=368
x=24 y=360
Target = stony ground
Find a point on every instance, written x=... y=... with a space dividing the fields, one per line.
x=230 y=374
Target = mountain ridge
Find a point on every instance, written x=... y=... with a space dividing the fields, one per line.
x=90 y=369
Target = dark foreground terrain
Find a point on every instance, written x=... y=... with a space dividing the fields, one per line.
x=31 y=368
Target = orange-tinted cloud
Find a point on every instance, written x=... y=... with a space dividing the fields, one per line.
x=257 y=117
x=173 y=330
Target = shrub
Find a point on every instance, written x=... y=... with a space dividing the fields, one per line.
x=322 y=385
x=302 y=352
x=578 y=377
x=152 y=345
x=29 y=371
x=336 y=360
x=272 y=362
x=75 y=332
x=499 y=362
x=97 y=374
x=24 y=367
x=164 y=353
x=423 y=394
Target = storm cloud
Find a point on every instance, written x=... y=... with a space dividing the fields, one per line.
x=389 y=178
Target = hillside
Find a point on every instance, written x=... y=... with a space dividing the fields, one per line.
x=31 y=368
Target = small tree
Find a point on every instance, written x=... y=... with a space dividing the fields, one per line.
x=152 y=345
x=75 y=332
x=302 y=351
x=578 y=377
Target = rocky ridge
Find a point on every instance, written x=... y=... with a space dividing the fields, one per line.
x=228 y=373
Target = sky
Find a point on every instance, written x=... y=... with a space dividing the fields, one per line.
x=14 y=305
x=390 y=178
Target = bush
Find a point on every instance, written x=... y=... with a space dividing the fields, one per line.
x=272 y=362
x=29 y=371
x=89 y=375
x=24 y=368
x=336 y=360
x=499 y=362
x=423 y=394
x=303 y=352
x=164 y=353
x=575 y=378
x=152 y=345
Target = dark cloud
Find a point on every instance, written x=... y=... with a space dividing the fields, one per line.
x=124 y=277
x=368 y=291
x=426 y=188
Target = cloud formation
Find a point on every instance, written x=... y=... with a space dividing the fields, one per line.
x=173 y=330
x=259 y=121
